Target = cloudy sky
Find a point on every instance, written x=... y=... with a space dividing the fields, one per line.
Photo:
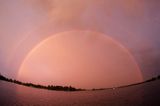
x=133 y=23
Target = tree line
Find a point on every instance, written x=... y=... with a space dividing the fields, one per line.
x=68 y=88
x=49 y=87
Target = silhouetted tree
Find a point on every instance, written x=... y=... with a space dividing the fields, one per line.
x=49 y=87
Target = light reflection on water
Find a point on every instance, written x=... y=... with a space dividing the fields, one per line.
x=16 y=95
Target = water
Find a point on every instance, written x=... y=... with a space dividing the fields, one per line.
x=140 y=95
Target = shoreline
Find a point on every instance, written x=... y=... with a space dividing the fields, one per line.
x=70 y=88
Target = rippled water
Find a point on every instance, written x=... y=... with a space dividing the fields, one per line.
x=143 y=95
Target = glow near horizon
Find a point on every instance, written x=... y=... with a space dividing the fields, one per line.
x=82 y=59
x=133 y=23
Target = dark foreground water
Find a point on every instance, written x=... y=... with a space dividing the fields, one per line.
x=140 y=95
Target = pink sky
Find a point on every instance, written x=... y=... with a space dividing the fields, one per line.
x=134 y=24
x=82 y=59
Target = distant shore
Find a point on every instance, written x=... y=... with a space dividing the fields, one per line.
x=123 y=86
x=69 y=88
x=49 y=87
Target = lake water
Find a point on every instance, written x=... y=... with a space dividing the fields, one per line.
x=140 y=95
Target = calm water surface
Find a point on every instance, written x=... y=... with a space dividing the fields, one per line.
x=140 y=95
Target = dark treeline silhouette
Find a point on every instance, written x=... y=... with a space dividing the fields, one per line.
x=49 y=87
x=149 y=80
x=146 y=81
x=69 y=88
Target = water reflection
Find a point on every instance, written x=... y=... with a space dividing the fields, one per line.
x=145 y=94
